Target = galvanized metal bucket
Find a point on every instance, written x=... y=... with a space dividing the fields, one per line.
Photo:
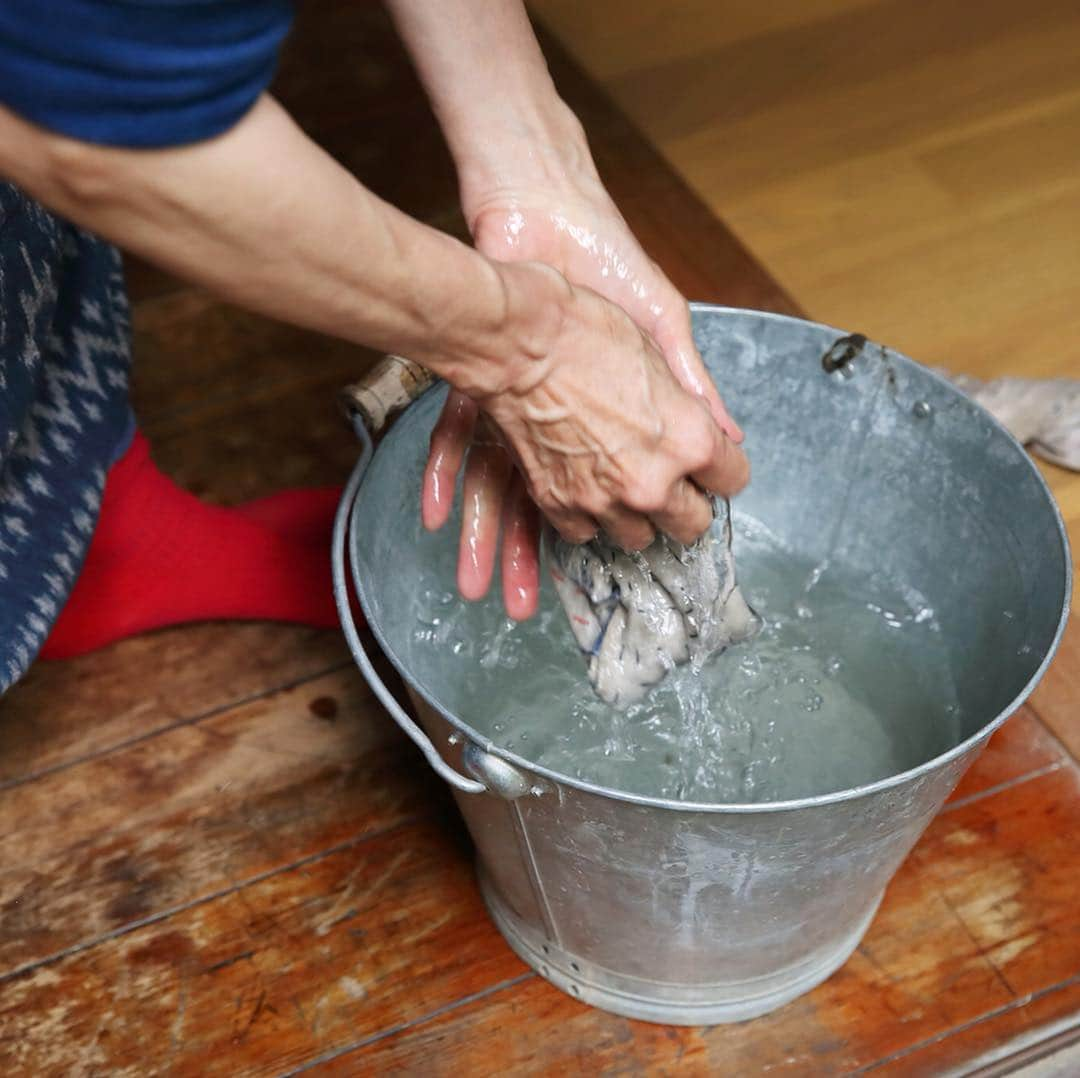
x=704 y=913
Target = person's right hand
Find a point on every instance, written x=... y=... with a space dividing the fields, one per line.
x=602 y=432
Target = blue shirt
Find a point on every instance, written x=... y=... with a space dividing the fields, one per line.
x=138 y=73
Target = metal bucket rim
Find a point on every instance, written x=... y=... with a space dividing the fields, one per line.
x=747 y=807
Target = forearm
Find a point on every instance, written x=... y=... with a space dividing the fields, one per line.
x=490 y=88
x=265 y=218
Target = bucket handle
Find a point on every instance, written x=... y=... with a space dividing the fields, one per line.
x=375 y=408
x=391 y=385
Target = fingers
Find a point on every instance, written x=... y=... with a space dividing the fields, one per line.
x=617 y=442
x=572 y=526
x=726 y=470
x=687 y=514
x=449 y=441
x=629 y=530
x=672 y=491
x=486 y=477
x=674 y=334
x=689 y=368
x=707 y=455
x=520 y=552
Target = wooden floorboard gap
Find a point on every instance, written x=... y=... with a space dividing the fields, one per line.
x=178 y=724
x=1008 y=784
x=1020 y=1001
x=446 y=1008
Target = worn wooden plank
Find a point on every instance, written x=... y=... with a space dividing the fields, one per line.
x=287 y=436
x=1022 y=747
x=66 y=711
x=208 y=805
x=1057 y=699
x=191 y=348
x=1018 y=1033
x=202 y=806
x=377 y=932
x=60 y=835
x=978 y=919
x=145 y=281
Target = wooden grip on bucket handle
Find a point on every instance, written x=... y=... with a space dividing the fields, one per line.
x=388 y=388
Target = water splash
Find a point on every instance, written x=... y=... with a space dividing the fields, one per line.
x=847 y=683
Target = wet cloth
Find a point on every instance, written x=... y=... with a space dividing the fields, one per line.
x=64 y=413
x=637 y=616
x=1041 y=413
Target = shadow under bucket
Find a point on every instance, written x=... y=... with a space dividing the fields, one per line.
x=695 y=913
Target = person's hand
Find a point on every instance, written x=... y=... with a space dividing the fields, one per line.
x=572 y=224
x=604 y=436
x=494 y=498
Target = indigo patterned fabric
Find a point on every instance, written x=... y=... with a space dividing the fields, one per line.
x=64 y=413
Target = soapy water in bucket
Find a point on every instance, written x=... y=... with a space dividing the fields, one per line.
x=847 y=683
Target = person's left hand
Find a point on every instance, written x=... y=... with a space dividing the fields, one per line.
x=573 y=225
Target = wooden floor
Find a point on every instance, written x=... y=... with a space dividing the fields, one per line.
x=219 y=856
x=906 y=168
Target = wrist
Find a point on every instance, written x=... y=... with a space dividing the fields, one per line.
x=524 y=145
x=506 y=348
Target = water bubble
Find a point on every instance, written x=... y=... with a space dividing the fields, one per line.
x=803 y=611
x=814 y=702
x=750 y=665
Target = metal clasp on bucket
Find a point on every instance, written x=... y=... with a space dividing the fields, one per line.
x=391 y=385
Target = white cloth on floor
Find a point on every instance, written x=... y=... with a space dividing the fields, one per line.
x=1041 y=413
x=637 y=616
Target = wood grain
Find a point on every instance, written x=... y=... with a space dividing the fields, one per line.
x=69 y=711
x=384 y=928
x=1022 y=747
x=359 y=937
x=245 y=790
x=1057 y=699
